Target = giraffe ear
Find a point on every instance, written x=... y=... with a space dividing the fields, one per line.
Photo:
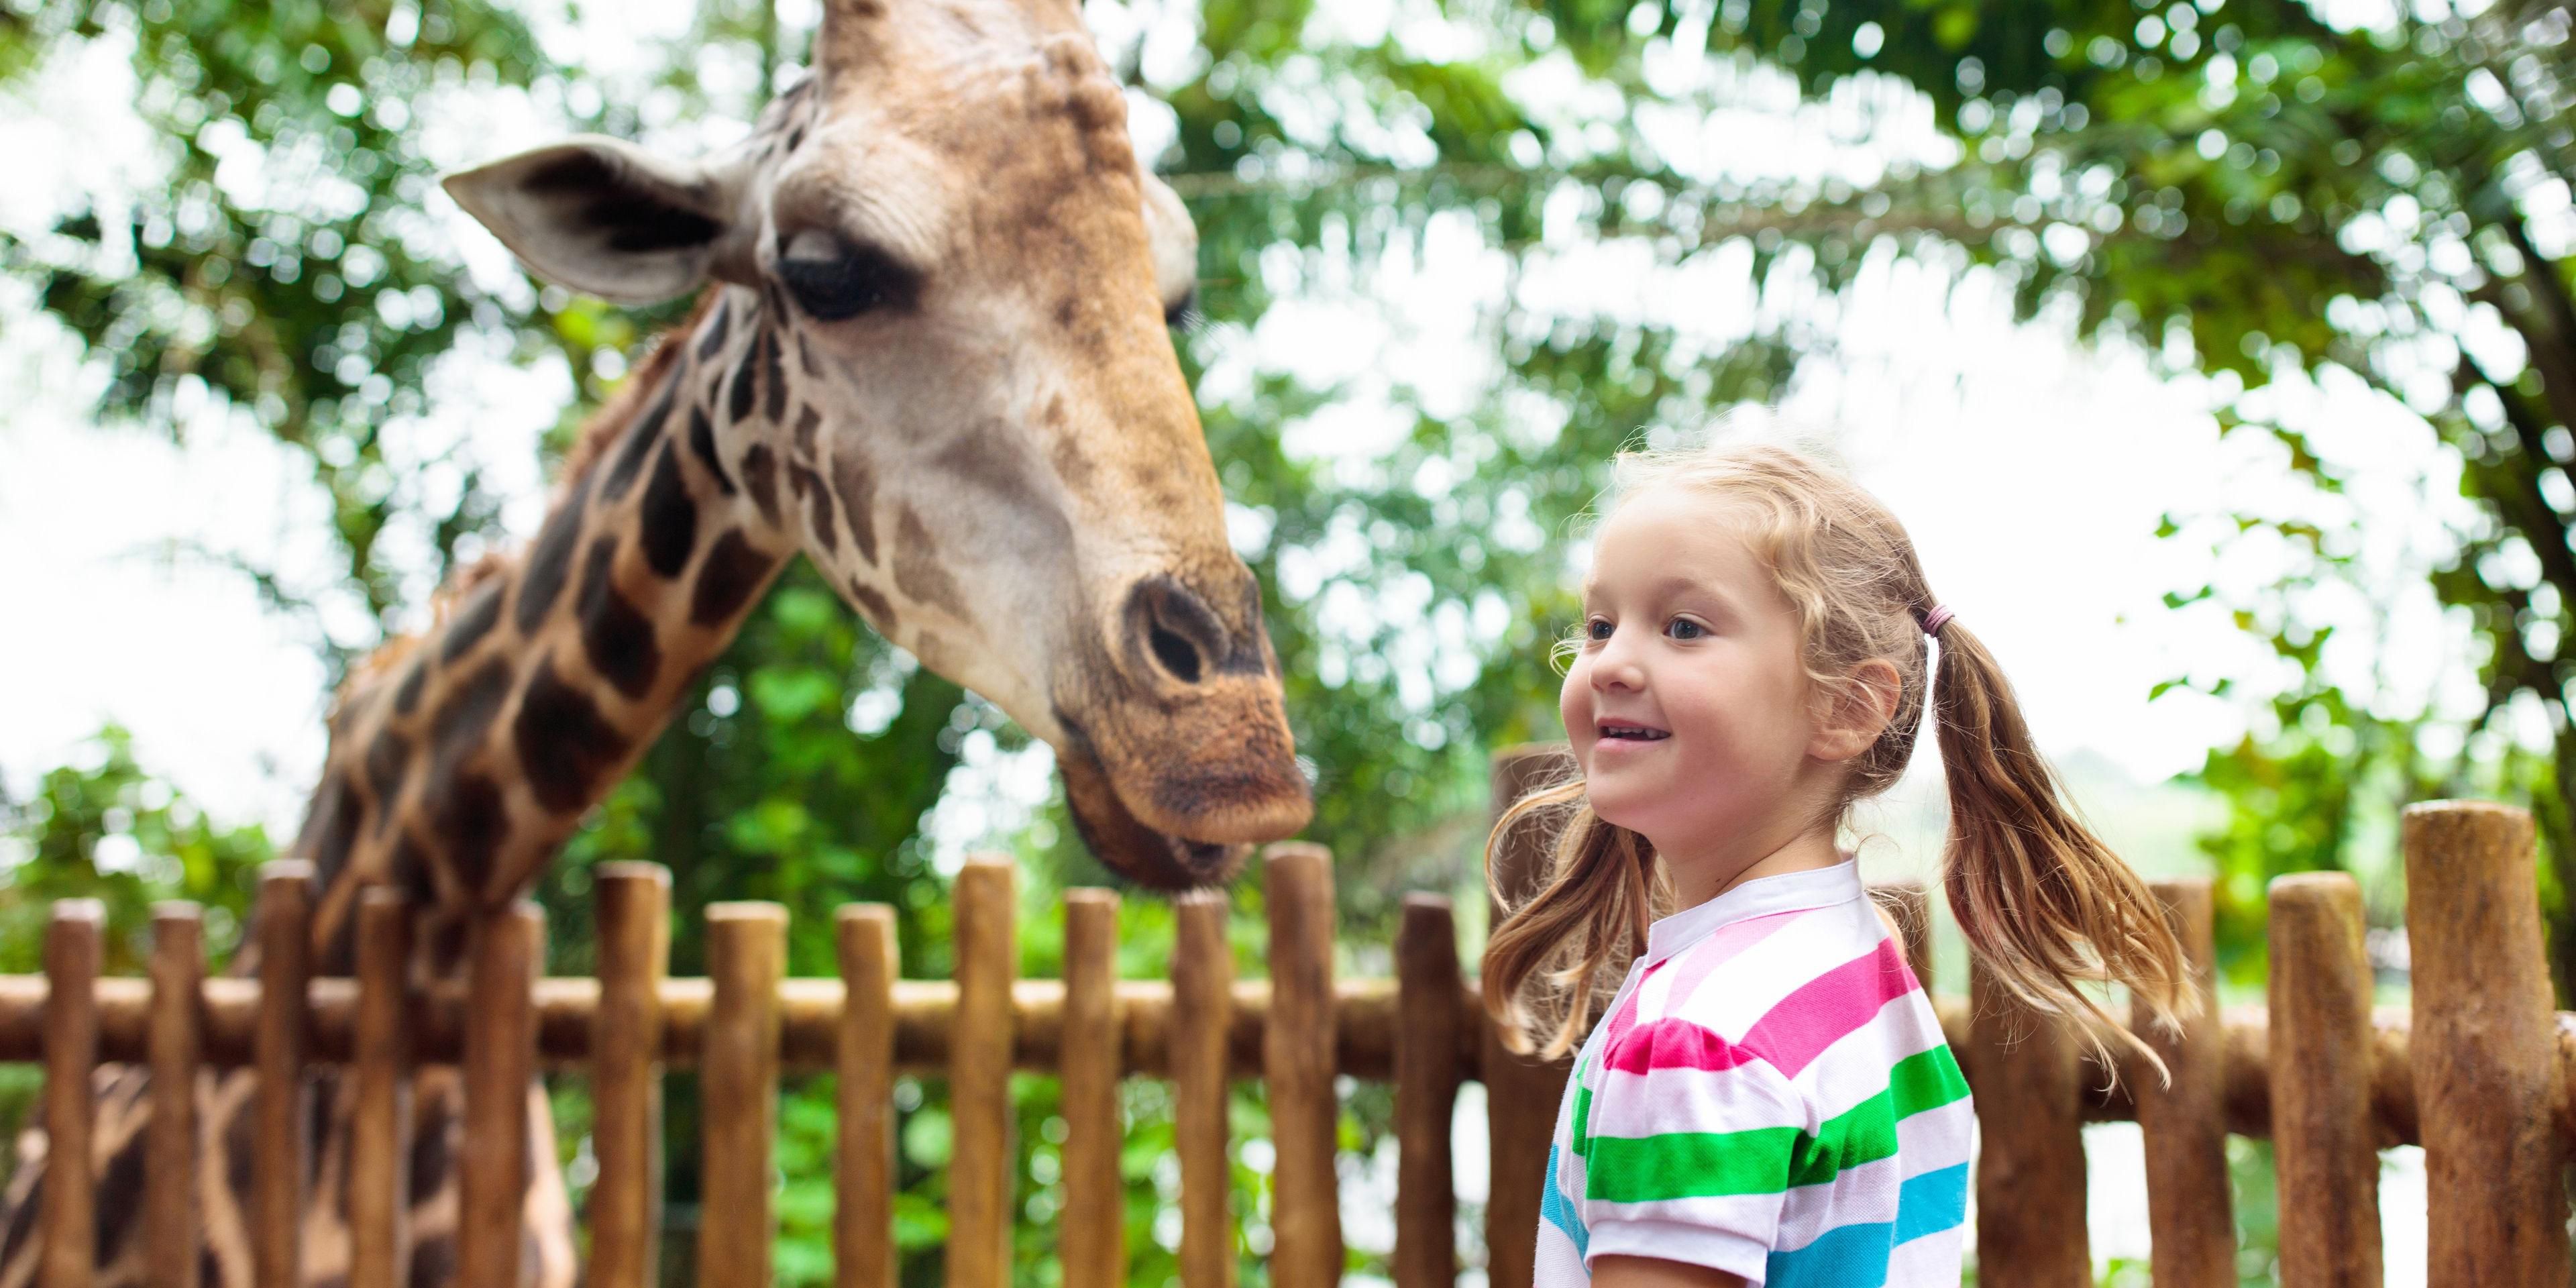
x=603 y=216
x=1174 y=240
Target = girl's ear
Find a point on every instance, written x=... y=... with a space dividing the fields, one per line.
x=1849 y=722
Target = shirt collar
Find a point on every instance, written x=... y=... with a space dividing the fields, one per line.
x=1760 y=897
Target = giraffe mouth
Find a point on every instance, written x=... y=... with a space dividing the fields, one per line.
x=1126 y=844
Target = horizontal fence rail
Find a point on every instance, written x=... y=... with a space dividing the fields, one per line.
x=2479 y=1071
x=1368 y=1019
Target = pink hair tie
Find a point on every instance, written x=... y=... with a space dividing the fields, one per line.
x=1936 y=619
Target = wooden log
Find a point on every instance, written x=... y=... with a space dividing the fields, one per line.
x=863 y=1249
x=2486 y=1047
x=1094 y=1220
x=633 y=903
x=1910 y=906
x=2030 y=1174
x=1297 y=1055
x=505 y=949
x=1430 y=1007
x=75 y=944
x=809 y=1018
x=282 y=926
x=979 y=1079
x=738 y=1104
x=379 y=1248
x=2327 y=1163
x=1202 y=998
x=2184 y=1122
x=1521 y=1092
x=170 y=1253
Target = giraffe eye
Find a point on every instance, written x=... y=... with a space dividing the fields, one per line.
x=833 y=279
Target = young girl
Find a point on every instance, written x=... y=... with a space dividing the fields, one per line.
x=1769 y=1099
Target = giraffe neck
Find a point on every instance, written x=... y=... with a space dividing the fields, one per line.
x=458 y=772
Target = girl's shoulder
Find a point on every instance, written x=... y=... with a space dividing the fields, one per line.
x=1787 y=988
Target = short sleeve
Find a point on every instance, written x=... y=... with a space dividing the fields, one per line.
x=1688 y=1143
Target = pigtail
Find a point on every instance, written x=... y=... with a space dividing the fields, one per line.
x=2042 y=902
x=1552 y=960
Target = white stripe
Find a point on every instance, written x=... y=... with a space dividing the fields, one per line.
x=1856 y=1196
x=1928 y=1262
x=1858 y=1064
x=1758 y=979
x=1936 y=1138
x=1743 y=1098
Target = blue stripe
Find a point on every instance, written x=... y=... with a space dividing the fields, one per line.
x=1931 y=1203
x=1855 y=1256
x=1850 y=1256
x=1553 y=1207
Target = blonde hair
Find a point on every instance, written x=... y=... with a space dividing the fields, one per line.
x=2045 y=906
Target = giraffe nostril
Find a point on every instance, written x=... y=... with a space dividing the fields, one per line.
x=1175 y=654
x=1170 y=623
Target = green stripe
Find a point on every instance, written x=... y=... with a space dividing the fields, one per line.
x=1926 y=1079
x=1767 y=1160
x=1689 y=1164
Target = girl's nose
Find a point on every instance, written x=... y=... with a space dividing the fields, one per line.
x=1616 y=665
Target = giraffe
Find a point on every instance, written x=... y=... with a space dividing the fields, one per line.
x=930 y=354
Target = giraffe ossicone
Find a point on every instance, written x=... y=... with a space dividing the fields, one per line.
x=930 y=354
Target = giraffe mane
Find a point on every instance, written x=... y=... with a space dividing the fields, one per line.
x=600 y=430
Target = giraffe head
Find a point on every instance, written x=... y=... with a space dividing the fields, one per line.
x=939 y=362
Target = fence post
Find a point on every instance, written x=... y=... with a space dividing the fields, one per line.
x=2184 y=1123
x=1202 y=1014
x=73 y=948
x=2030 y=1171
x=2484 y=1046
x=507 y=946
x=979 y=1078
x=277 y=1161
x=863 y=1252
x=1094 y=1219
x=376 y=1163
x=1521 y=1092
x=1429 y=1001
x=2320 y=1050
x=738 y=1082
x=633 y=903
x=178 y=1045
x=1297 y=1060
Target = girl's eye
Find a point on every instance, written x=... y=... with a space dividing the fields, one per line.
x=1684 y=628
x=1597 y=629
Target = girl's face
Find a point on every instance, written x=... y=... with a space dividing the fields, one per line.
x=1688 y=705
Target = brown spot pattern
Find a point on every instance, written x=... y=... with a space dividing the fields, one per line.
x=917 y=570
x=734 y=568
x=566 y=748
x=857 y=485
x=617 y=636
x=760 y=474
x=543 y=578
x=668 y=524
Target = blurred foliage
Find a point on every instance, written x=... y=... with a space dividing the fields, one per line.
x=2240 y=189
x=2268 y=199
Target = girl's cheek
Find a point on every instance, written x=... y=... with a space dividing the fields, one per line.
x=1574 y=702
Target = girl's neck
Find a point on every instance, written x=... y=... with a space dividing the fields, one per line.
x=1704 y=871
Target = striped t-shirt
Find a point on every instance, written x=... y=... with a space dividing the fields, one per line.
x=1770 y=1095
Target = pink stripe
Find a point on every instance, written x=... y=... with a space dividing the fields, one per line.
x=1625 y=1018
x=1721 y=947
x=1675 y=1044
x=1831 y=1005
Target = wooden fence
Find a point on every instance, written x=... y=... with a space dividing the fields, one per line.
x=2476 y=1077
